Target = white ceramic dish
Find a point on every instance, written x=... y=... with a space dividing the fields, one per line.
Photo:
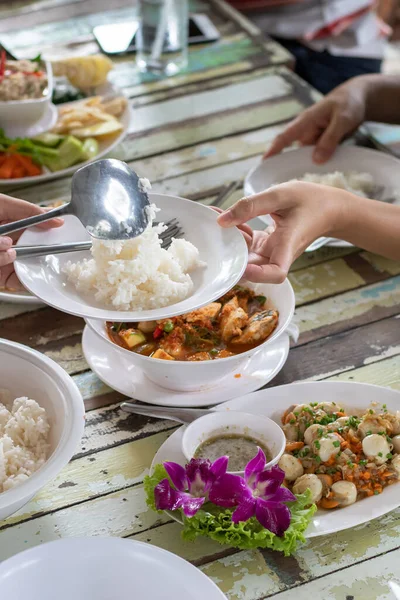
x=190 y=376
x=260 y=428
x=272 y=402
x=224 y=251
x=46 y=123
x=293 y=164
x=101 y=568
x=126 y=378
x=26 y=372
x=17 y=116
x=105 y=147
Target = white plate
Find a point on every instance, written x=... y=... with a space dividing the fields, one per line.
x=104 y=148
x=385 y=170
x=273 y=402
x=18 y=298
x=102 y=568
x=121 y=375
x=47 y=122
x=224 y=251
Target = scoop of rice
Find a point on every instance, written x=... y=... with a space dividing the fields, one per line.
x=24 y=431
x=137 y=274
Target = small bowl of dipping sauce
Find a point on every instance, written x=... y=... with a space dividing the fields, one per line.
x=234 y=434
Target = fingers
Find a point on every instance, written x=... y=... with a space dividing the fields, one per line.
x=330 y=139
x=14 y=209
x=5 y=243
x=248 y=208
x=265 y=273
x=293 y=132
x=7 y=257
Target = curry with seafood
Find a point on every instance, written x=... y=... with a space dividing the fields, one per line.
x=239 y=321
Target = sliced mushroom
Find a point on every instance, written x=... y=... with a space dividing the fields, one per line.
x=291 y=431
x=292 y=467
x=395 y=463
x=314 y=432
x=309 y=482
x=327 y=446
x=376 y=448
x=344 y=492
x=396 y=444
x=338 y=424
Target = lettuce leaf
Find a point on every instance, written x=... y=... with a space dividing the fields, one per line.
x=216 y=523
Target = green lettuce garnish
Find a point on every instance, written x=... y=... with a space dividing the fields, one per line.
x=216 y=523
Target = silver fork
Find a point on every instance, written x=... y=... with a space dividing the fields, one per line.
x=174 y=230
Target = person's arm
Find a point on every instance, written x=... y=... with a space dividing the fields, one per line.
x=302 y=212
x=328 y=122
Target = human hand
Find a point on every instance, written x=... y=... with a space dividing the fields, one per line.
x=302 y=212
x=326 y=123
x=13 y=209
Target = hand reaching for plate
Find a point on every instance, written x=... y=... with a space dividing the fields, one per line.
x=13 y=209
x=303 y=212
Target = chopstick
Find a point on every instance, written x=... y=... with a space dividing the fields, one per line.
x=225 y=193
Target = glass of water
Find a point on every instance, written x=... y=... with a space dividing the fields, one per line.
x=162 y=37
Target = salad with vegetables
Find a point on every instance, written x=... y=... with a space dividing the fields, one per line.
x=253 y=511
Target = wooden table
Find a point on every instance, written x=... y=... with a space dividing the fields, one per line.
x=193 y=135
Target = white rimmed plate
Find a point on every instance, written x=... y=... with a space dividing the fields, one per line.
x=385 y=170
x=102 y=568
x=273 y=402
x=224 y=251
x=105 y=146
x=126 y=378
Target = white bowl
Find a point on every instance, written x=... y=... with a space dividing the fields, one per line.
x=195 y=376
x=223 y=250
x=26 y=372
x=101 y=568
x=17 y=116
x=262 y=429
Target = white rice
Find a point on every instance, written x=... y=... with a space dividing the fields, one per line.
x=137 y=274
x=361 y=184
x=24 y=431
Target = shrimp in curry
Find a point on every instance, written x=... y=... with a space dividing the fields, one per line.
x=237 y=322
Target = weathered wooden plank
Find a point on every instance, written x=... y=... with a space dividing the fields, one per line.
x=384 y=265
x=324 y=280
x=343 y=352
x=8 y=309
x=93 y=476
x=347 y=310
x=368 y=580
x=383 y=372
x=37 y=328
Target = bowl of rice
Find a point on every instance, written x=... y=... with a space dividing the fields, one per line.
x=41 y=423
x=138 y=279
x=187 y=376
x=361 y=171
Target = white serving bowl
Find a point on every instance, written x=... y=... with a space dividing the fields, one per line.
x=198 y=376
x=102 y=568
x=17 y=116
x=26 y=372
x=262 y=429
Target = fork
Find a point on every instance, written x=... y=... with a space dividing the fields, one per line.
x=174 y=230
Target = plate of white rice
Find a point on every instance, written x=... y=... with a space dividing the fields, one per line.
x=138 y=279
x=367 y=173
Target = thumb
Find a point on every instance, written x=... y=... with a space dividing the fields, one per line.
x=251 y=207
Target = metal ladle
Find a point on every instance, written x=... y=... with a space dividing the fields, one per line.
x=106 y=196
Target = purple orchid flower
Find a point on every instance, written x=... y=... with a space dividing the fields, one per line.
x=192 y=484
x=259 y=494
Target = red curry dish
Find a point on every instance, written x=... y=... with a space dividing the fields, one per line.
x=237 y=322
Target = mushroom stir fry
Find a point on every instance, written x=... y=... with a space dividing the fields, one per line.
x=340 y=457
